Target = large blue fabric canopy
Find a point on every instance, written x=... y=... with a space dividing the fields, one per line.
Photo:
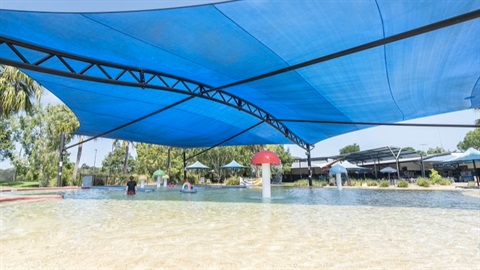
x=210 y=47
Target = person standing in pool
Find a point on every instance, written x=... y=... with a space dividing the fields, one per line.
x=131 y=186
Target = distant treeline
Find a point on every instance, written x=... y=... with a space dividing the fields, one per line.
x=7 y=174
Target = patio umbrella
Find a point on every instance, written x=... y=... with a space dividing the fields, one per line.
x=158 y=174
x=197 y=166
x=388 y=170
x=233 y=165
x=471 y=155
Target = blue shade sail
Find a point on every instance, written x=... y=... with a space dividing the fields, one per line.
x=220 y=44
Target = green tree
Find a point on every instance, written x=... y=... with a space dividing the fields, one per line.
x=215 y=158
x=436 y=150
x=409 y=148
x=80 y=138
x=126 y=146
x=16 y=91
x=6 y=141
x=114 y=163
x=350 y=149
x=150 y=158
x=284 y=155
x=472 y=139
x=79 y=156
x=38 y=136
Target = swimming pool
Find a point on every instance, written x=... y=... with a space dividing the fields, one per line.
x=225 y=228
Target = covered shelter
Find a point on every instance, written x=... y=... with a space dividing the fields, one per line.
x=250 y=72
x=353 y=168
x=233 y=165
x=196 y=166
x=376 y=155
x=472 y=155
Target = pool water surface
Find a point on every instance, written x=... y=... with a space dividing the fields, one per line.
x=231 y=228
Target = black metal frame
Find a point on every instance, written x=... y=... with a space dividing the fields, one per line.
x=135 y=77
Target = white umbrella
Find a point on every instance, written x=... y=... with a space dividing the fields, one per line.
x=388 y=170
x=471 y=155
x=233 y=165
x=197 y=166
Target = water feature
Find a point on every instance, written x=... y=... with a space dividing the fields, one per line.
x=235 y=228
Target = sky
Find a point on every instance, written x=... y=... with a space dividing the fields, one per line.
x=420 y=138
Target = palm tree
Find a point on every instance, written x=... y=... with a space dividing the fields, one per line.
x=79 y=156
x=16 y=90
x=125 y=144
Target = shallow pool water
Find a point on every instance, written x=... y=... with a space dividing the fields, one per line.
x=227 y=228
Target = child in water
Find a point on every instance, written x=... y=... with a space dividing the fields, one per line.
x=131 y=186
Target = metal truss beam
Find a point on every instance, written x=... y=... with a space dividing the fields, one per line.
x=378 y=123
x=41 y=59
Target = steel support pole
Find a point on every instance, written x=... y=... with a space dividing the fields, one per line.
x=423 y=165
x=60 y=160
x=184 y=166
x=475 y=174
x=309 y=163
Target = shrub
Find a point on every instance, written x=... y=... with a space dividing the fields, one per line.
x=372 y=183
x=442 y=181
x=192 y=179
x=19 y=184
x=304 y=183
x=356 y=183
x=384 y=183
x=434 y=176
x=437 y=179
x=402 y=184
x=423 y=182
x=323 y=183
x=232 y=181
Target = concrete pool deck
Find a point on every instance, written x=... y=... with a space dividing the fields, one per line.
x=11 y=195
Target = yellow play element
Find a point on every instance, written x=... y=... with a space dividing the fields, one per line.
x=257 y=181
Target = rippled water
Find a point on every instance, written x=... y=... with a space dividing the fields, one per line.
x=235 y=229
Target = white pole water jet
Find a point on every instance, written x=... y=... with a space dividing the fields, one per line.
x=265 y=158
